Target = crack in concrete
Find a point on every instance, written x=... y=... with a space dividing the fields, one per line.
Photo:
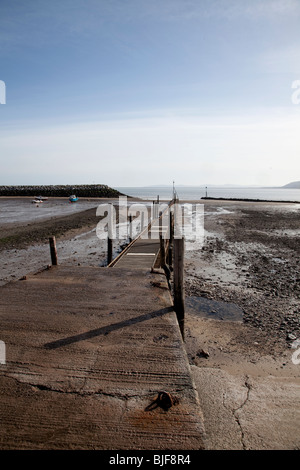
x=248 y=386
x=82 y=392
x=234 y=411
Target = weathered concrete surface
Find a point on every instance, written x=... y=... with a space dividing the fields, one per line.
x=250 y=398
x=87 y=351
x=248 y=412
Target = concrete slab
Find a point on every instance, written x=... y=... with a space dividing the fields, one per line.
x=87 y=352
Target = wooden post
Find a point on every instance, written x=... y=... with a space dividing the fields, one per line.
x=179 y=282
x=162 y=251
x=171 y=239
x=160 y=223
x=130 y=228
x=53 y=250
x=109 y=250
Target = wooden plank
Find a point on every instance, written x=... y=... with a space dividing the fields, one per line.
x=140 y=254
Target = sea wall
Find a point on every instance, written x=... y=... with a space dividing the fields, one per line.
x=247 y=200
x=83 y=190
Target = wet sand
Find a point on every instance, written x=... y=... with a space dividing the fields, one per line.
x=248 y=386
x=23 y=223
x=24 y=247
x=251 y=258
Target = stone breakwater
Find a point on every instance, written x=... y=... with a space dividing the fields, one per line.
x=83 y=190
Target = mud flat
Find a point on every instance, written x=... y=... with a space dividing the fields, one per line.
x=24 y=246
x=25 y=230
x=248 y=384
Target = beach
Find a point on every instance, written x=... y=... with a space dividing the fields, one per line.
x=240 y=349
x=242 y=287
x=24 y=244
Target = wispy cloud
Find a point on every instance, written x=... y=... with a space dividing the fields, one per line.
x=230 y=9
x=241 y=148
x=29 y=20
x=256 y=9
x=284 y=59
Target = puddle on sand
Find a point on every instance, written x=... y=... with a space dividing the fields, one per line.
x=213 y=309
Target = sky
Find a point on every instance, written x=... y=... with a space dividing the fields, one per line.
x=147 y=92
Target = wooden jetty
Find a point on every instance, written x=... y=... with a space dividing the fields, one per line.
x=95 y=359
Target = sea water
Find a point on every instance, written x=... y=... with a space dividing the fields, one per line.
x=23 y=210
x=195 y=193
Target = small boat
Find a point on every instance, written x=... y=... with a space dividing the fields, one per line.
x=37 y=201
x=73 y=198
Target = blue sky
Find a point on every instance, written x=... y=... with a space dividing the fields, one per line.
x=135 y=92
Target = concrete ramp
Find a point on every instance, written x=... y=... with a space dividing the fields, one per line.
x=95 y=360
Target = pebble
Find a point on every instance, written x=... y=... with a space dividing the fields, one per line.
x=202 y=353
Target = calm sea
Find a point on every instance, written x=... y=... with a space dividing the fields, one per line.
x=194 y=193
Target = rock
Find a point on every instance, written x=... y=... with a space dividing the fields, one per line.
x=202 y=353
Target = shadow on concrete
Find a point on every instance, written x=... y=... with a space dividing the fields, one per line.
x=107 y=329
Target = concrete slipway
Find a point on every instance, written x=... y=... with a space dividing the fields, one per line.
x=87 y=352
